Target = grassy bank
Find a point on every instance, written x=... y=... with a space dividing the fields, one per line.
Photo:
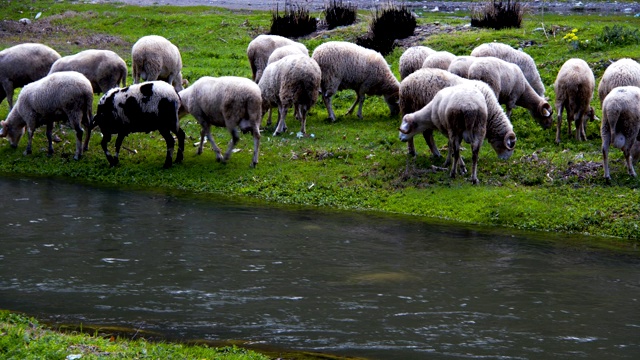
x=352 y=163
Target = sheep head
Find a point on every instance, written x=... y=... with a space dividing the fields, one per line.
x=504 y=146
x=11 y=132
x=543 y=115
x=393 y=101
x=407 y=128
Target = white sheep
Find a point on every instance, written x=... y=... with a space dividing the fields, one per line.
x=458 y=120
x=439 y=60
x=293 y=80
x=227 y=101
x=624 y=72
x=460 y=65
x=412 y=59
x=61 y=96
x=349 y=66
x=511 y=88
x=520 y=58
x=574 y=87
x=22 y=64
x=283 y=51
x=104 y=68
x=153 y=57
x=142 y=107
x=260 y=48
x=419 y=88
x=621 y=125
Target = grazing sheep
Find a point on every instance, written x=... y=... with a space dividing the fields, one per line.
x=226 y=101
x=574 y=90
x=291 y=81
x=260 y=49
x=621 y=125
x=524 y=61
x=155 y=58
x=349 y=66
x=624 y=72
x=104 y=68
x=22 y=64
x=439 y=60
x=460 y=65
x=142 y=107
x=419 y=88
x=510 y=86
x=283 y=51
x=455 y=119
x=65 y=95
x=412 y=59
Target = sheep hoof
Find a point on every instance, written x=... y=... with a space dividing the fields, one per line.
x=167 y=165
x=179 y=158
x=474 y=181
x=253 y=165
x=77 y=157
x=27 y=152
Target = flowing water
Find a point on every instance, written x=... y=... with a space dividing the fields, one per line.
x=347 y=283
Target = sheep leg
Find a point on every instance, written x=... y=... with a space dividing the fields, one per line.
x=282 y=125
x=475 y=150
x=302 y=116
x=79 y=132
x=411 y=148
x=9 y=91
x=431 y=142
x=606 y=141
x=119 y=140
x=559 y=124
x=327 y=103
x=628 y=156
x=166 y=134
x=232 y=144
x=49 y=132
x=454 y=149
x=181 y=136
x=256 y=146
x=269 y=118
x=30 y=132
x=579 y=127
x=214 y=146
x=360 y=102
x=105 y=141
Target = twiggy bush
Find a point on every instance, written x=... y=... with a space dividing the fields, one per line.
x=498 y=15
x=295 y=22
x=336 y=13
x=391 y=23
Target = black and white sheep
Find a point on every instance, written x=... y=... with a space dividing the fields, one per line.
x=524 y=61
x=439 y=60
x=458 y=120
x=260 y=48
x=153 y=57
x=349 y=66
x=227 y=101
x=624 y=72
x=512 y=89
x=574 y=87
x=145 y=107
x=22 y=64
x=62 y=96
x=412 y=59
x=620 y=126
x=104 y=68
x=294 y=81
x=419 y=88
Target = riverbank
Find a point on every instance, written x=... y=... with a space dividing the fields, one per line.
x=350 y=164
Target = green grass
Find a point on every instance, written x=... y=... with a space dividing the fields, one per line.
x=351 y=164
x=24 y=338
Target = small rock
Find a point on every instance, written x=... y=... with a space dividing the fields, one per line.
x=24 y=21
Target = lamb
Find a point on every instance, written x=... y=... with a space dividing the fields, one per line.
x=624 y=72
x=412 y=59
x=460 y=65
x=104 y=68
x=349 y=66
x=439 y=60
x=510 y=86
x=65 y=95
x=260 y=49
x=155 y=58
x=291 y=81
x=456 y=119
x=524 y=61
x=621 y=125
x=226 y=101
x=419 y=88
x=142 y=107
x=574 y=90
x=22 y=64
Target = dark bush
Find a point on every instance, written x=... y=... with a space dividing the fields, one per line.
x=391 y=23
x=294 y=23
x=336 y=13
x=498 y=15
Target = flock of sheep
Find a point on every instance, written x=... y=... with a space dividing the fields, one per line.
x=460 y=96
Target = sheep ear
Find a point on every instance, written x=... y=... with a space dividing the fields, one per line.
x=510 y=140
x=546 y=110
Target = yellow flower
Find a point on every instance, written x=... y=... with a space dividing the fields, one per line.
x=574 y=30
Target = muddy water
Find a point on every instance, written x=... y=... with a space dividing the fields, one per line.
x=346 y=283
